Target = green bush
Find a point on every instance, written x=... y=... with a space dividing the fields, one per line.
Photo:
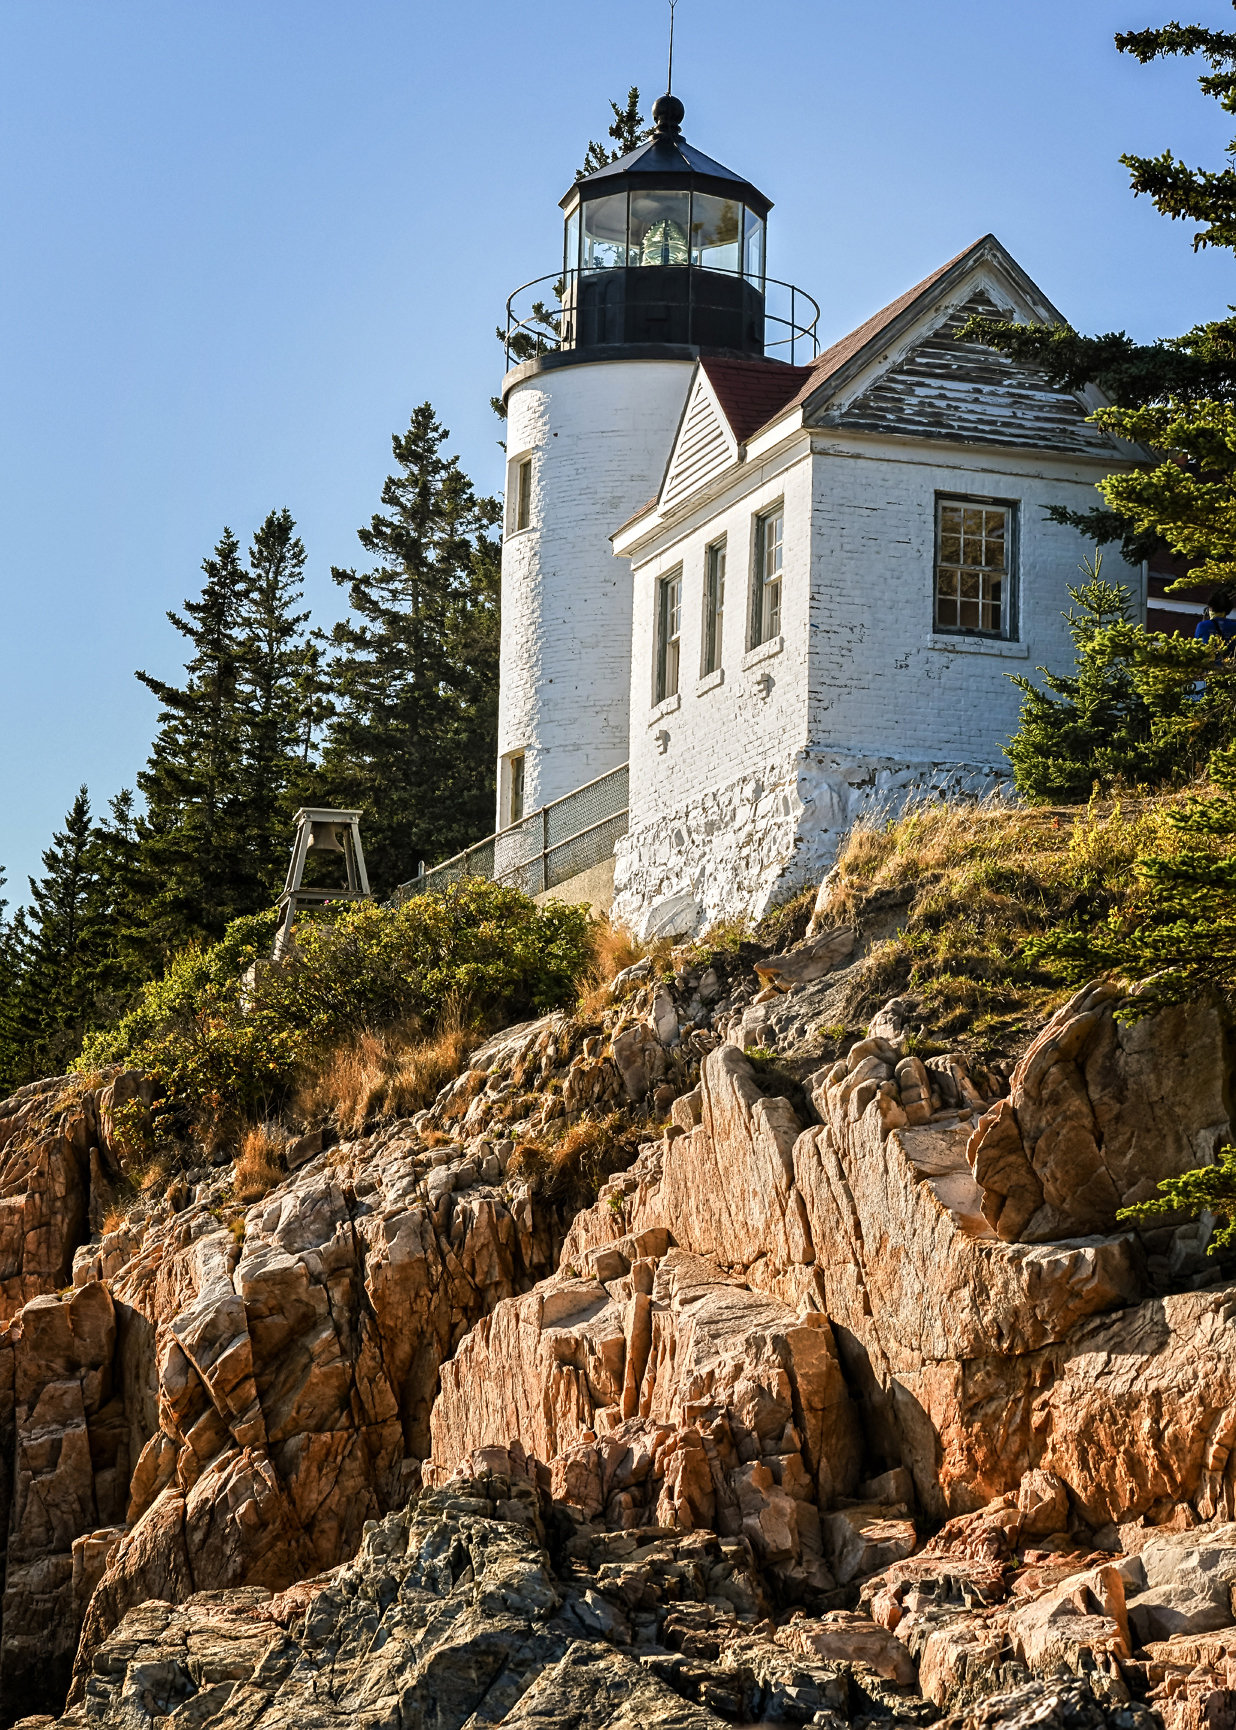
x=1141 y=708
x=224 y=1049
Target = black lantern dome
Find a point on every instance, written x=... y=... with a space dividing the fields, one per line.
x=665 y=247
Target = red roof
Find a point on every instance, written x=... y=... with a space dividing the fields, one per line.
x=752 y=392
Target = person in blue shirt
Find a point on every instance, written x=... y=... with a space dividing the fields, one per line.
x=1216 y=622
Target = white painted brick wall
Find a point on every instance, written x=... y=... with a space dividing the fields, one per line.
x=876 y=684
x=600 y=435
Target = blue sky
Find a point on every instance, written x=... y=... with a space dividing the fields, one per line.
x=242 y=238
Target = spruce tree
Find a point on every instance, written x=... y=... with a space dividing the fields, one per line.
x=414 y=670
x=54 y=996
x=626 y=129
x=274 y=658
x=194 y=783
x=1177 y=395
x=14 y=943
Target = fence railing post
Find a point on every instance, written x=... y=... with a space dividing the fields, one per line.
x=544 y=848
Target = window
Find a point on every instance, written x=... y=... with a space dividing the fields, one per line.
x=973 y=567
x=515 y=775
x=669 y=630
x=714 y=607
x=766 y=601
x=522 y=513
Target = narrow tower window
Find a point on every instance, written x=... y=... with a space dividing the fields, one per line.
x=766 y=601
x=669 y=624
x=515 y=771
x=973 y=566
x=714 y=606
x=523 y=493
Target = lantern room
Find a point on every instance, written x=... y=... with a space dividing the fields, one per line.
x=664 y=247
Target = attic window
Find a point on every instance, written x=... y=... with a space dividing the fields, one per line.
x=974 y=543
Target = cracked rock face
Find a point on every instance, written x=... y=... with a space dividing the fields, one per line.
x=850 y=1408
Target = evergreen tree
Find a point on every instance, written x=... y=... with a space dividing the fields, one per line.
x=1177 y=395
x=414 y=670
x=53 y=995
x=14 y=943
x=274 y=660
x=1140 y=708
x=194 y=783
x=627 y=128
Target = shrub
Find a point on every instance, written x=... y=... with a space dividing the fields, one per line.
x=225 y=1031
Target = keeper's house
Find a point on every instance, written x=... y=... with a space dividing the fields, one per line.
x=827 y=565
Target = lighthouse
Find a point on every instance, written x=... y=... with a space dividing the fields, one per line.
x=663 y=263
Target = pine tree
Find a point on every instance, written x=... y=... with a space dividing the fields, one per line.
x=194 y=783
x=414 y=671
x=53 y=998
x=274 y=661
x=1177 y=395
x=14 y=945
x=627 y=128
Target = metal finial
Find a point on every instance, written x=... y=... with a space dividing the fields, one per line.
x=667 y=113
x=673 y=5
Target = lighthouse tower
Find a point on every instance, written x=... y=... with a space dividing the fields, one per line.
x=663 y=262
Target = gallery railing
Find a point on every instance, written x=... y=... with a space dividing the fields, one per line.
x=545 y=848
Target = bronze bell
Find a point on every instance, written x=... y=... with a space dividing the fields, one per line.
x=326 y=838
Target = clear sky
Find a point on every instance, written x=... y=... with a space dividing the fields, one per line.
x=242 y=238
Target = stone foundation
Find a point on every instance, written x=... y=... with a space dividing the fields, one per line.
x=752 y=844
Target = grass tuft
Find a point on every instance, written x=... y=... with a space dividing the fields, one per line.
x=259 y=1166
x=382 y=1073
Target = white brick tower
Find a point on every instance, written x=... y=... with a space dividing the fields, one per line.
x=664 y=262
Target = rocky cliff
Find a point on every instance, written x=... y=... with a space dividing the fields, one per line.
x=847 y=1398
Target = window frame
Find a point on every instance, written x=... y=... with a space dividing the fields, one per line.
x=713 y=631
x=517 y=467
x=1010 y=611
x=516 y=780
x=763 y=627
x=667 y=656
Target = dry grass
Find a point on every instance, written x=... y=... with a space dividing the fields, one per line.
x=571 y=1169
x=613 y=949
x=947 y=897
x=259 y=1166
x=113 y=1219
x=390 y=1073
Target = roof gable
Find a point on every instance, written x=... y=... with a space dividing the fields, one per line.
x=942 y=387
x=727 y=402
x=704 y=446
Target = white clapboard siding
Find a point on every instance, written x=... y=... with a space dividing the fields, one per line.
x=704 y=447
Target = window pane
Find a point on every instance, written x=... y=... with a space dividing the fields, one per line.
x=605 y=232
x=571 y=254
x=716 y=225
x=971 y=562
x=753 y=247
x=659 y=223
x=523 y=509
x=517 y=788
x=772 y=610
x=714 y=608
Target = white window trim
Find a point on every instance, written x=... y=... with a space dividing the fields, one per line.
x=1010 y=631
x=667 y=706
x=762 y=652
x=514 y=466
x=965 y=645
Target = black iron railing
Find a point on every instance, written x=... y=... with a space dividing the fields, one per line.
x=547 y=847
x=535 y=326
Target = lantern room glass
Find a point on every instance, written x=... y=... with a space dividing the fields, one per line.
x=660 y=223
x=716 y=227
x=663 y=227
x=753 y=247
x=605 y=232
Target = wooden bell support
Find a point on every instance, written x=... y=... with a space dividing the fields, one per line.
x=324 y=832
